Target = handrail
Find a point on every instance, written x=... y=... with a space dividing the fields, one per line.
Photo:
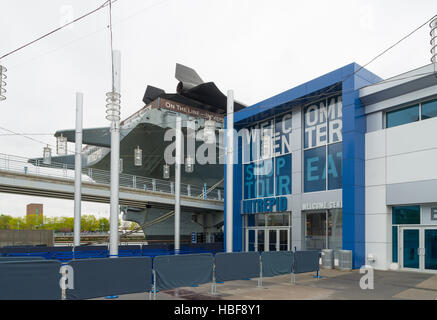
x=66 y=171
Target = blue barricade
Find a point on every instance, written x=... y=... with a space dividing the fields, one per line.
x=30 y=280
x=276 y=263
x=306 y=261
x=110 y=276
x=236 y=266
x=175 y=271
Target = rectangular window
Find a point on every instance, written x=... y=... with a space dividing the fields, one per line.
x=429 y=109
x=259 y=166
x=406 y=215
x=402 y=116
x=264 y=171
x=395 y=244
x=283 y=175
x=282 y=135
x=335 y=229
x=249 y=181
x=334 y=166
x=315 y=169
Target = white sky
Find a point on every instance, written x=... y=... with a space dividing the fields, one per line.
x=257 y=47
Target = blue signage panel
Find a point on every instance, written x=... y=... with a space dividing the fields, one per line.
x=283 y=175
x=273 y=204
x=315 y=169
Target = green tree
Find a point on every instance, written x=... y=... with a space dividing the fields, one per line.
x=4 y=222
x=103 y=224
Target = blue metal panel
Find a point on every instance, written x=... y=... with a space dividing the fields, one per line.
x=354 y=128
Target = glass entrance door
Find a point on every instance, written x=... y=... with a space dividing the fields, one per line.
x=268 y=239
x=410 y=249
x=418 y=248
x=430 y=249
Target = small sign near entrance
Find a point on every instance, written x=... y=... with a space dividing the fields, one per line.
x=194 y=237
x=434 y=214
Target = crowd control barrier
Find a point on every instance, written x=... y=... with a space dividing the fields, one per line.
x=86 y=252
x=24 y=258
x=30 y=280
x=182 y=270
x=237 y=266
x=306 y=261
x=276 y=263
x=93 y=278
x=129 y=250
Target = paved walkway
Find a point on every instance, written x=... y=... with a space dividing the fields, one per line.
x=334 y=285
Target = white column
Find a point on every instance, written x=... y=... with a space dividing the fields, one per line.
x=115 y=166
x=177 y=207
x=78 y=168
x=229 y=170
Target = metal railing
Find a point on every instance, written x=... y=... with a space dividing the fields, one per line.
x=64 y=171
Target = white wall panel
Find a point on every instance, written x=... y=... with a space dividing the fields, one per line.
x=412 y=137
x=417 y=166
x=375 y=144
x=375 y=172
x=375 y=200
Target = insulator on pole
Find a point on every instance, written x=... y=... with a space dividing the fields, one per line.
x=121 y=165
x=138 y=157
x=47 y=155
x=2 y=82
x=166 y=171
x=61 y=145
x=433 y=33
x=113 y=106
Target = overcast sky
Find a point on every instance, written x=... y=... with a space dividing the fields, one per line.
x=258 y=48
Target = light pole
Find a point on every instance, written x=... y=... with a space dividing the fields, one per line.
x=113 y=115
x=229 y=170
x=78 y=169
x=177 y=208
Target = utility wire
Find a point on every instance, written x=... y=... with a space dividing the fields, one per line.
x=59 y=28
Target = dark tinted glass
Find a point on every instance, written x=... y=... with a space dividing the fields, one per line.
x=429 y=109
x=402 y=116
x=406 y=215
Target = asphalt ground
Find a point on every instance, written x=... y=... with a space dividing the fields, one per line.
x=334 y=285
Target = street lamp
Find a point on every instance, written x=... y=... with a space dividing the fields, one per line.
x=47 y=155
x=189 y=164
x=61 y=145
x=166 y=171
x=138 y=157
x=209 y=131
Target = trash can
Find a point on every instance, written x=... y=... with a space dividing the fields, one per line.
x=327 y=258
x=345 y=260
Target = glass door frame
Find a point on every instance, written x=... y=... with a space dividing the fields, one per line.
x=424 y=228
x=421 y=249
x=266 y=237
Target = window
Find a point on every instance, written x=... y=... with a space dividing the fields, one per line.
x=323 y=230
x=421 y=111
x=271 y=176
x=249 y=181
x=395 y=244
x=402 y=116
x=429 y=109
x=322 y=143
x=315 y=169
x=406 y=215
x=334 y=166
x=283 y=175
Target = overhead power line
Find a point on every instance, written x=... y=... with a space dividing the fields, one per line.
x=59 y=28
